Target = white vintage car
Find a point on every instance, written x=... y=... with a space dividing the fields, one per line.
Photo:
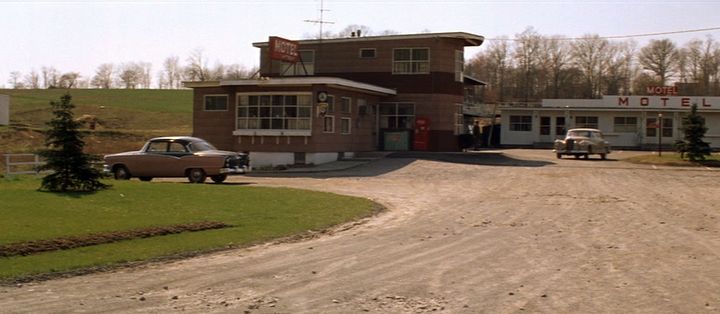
x=582 y=142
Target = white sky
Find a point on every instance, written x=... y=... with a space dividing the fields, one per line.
x=80 y=35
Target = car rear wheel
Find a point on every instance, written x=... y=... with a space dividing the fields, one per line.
x=603 y=156
x=559 y=156
x=121 y=173
x=196 y=175
x=219 y=178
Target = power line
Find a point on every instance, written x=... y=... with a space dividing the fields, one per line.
x=626 y=36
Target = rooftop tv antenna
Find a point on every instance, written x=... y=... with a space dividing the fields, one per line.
x=321 y=21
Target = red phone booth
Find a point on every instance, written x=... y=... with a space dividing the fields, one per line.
x=422 y=134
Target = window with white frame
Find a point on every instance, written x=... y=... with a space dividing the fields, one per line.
x=625 y=124
x=521 y=123
x=362 y=107
x=269 y=111
x=215 y=103
x=345 y=105
x=306 y=65
x=397 y=115
x=590 y=122
x=331 y=104
x=329 y=124
x=345 y=125
x=459 y=122
x=411 y=61
x=459 y=65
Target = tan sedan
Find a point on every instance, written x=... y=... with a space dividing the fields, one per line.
x=582 y=142
x=177 y=156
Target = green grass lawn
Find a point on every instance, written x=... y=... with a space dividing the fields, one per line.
x=673 y=159
x=256 y=214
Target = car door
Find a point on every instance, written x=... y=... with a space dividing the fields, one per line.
x=178 y=159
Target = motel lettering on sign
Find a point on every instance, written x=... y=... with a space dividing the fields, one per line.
x=664 y=102
x=283 y=49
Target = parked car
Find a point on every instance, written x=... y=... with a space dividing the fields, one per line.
x=582 y=142
x=177 y=156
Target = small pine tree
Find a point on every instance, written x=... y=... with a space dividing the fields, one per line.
x=70 y=167
x=694 y=128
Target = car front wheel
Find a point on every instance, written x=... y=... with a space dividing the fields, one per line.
x=121 y=173
x=219 y=178
x=196 y=175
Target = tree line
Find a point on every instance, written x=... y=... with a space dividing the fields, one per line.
x=531 y=66
x=132 y=75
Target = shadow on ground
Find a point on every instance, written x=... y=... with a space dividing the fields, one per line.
x=398 y=160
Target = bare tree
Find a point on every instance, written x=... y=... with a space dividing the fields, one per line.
x=130 y=75
x=661 y=58
x=68 y=80
x=700 y=61
x=16 y=80
x=555 y=56
x=172 y=72
x=103 y=76
x=527 y=47
x=50 y=77
x=145 y=74
x=238 y=72
x=196 y=69
x=589 y=55
x=217 y=72
x=32 y=80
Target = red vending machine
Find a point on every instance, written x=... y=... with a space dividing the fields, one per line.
x=422 y=134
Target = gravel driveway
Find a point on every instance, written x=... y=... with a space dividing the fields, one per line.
x=495 y=232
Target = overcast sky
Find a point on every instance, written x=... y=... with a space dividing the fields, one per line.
x=80 y=35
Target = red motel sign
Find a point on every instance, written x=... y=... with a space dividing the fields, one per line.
x=662 y=90
x=284 y=50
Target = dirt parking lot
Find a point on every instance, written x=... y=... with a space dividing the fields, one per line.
x=513 y=231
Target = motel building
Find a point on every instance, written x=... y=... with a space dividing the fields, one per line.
x=630 y=122
x=317 y=101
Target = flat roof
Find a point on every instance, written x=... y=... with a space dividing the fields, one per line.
x=470 y=39
x=298 y=81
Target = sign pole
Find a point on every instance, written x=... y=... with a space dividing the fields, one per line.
x=660 y=129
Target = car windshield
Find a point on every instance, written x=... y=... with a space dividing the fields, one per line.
x=579 y=133
x=199 y=146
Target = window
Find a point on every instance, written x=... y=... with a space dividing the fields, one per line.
x=362 y=106
x=329 y=124
x=411 y=61
x=545 y=126
x=651 y=127
x=560 y=126
x=274 y=111
x=625 y=124
x=306 y=65
x=586 y=122
x=367 y=53
x=331 y=104
x=521 y=123
x=216 y=102
x=345 y=125
x=345 y=104
x=397 y=115
x=459 y=65
x=459 y=121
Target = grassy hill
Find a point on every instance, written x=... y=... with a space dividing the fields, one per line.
x=125 y=118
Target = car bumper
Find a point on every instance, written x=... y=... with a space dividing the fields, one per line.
x=235 y=170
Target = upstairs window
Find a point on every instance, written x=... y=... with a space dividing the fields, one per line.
x=345 y=105
x=216 y=103
x=411 y=61
x=306 y=63
x=459 y=65
x=367 y=53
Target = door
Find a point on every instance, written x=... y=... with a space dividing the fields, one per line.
x=545 y=130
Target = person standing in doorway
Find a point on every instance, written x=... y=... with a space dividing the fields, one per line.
x=476 y=134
